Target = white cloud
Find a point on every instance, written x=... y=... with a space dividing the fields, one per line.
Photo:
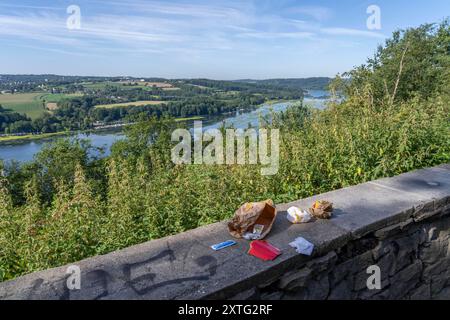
x=319 y=13
x=160 y=27
x=352 y=32
x=277 y=35
x=18 y=6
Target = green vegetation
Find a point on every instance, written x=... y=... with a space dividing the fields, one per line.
x=318 y=83
x=31 y=136
x=29 y=112
x=130 y=104
x=100 y=85
x=67 y=205
x=112 y=84
x=58 y=97
x=188 y=119
x=29 y=104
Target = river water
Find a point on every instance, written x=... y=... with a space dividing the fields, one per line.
x=23 y=151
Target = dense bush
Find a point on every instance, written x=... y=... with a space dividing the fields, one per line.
x=137 y=194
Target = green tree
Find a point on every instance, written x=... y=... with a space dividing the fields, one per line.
x=413 y=61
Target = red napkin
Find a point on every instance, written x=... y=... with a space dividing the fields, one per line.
x=263 y=250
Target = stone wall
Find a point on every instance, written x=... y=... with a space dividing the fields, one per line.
x=400 y=224
x=414 y=262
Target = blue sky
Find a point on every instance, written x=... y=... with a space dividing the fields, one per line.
x=196 y=38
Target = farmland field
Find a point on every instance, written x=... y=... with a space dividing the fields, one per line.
x=32 y=104
x=52 y=99
x=27 y=103
x=130 y=104
x=120 y=85
x=57 y=97
x=100 y=85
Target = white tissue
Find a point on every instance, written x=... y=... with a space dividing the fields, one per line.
x=302 y=246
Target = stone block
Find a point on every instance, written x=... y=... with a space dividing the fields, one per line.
x=393 y=229
x=442 y=204
x=382 y=295
x=410 y=243
x=323 y=263
x=426 y=184
x=351 y=266
x=437 y=268
x=433 y=251
x=440 y=281
x=384 y=247
x=295 y=279
x=443 y=295
x=271 y=296
x=268 y=282
x=412 y=271
x=424 y=211
x=316 y=289
x=388 y=265
x=361 y=262
x=370 y=294
x=301 y=294
x=405 y=280
x=342 y=291
x=319 y=288
x=423 y=292
x=250 y=294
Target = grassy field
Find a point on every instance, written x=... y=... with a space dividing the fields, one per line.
x=31 y=104
x=27 y=103
x=52 y=99
x=189 y=118
x=31 y=136
x=275 y=101
x=130 y=104
x=100 y=85
x=57 y=97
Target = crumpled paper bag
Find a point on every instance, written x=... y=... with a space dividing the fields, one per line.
x=251 y=214
x=322 y=209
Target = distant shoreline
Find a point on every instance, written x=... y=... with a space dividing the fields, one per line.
x=39 y=136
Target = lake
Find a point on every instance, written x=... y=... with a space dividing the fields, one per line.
x=25 y=150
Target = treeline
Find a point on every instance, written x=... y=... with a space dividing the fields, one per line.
x=271 y=90
x=84 y=108
x=314 y=83
x=80 y=113
x=13 y=121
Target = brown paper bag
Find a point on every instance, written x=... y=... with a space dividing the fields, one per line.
x=251 y=214
x=322 y=209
